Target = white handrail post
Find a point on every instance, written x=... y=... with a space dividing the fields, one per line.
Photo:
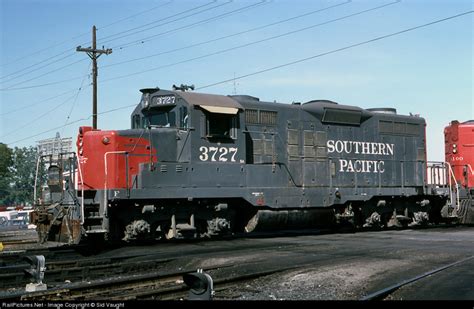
x=451 y=172
x=36 y=179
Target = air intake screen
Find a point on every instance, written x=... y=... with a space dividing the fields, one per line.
x=342 y=116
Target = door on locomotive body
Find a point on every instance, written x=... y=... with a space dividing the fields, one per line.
x=299 y=142
x=294 y=152
x=315 y=160
x=307 y=155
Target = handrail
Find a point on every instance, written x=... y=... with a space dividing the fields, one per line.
x=82 y=188
x=436 y=173
x=470 y=167
x=36 y=179
x=450 y=184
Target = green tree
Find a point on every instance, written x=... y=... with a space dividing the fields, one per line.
x=23 y=174
x=5 y=174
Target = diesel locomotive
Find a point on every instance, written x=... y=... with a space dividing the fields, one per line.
x=459 y=156
x=201 y=165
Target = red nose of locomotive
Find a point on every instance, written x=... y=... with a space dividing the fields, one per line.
x=459 y=149
x=108 y=160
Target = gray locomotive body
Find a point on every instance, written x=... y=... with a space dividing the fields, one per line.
x=197 y=164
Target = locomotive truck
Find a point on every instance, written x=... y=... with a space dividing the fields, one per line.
x=200 y=165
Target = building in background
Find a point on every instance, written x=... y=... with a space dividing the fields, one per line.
x=57 y=161
x=54 y=146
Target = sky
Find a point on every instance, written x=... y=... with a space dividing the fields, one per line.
x=351 y=52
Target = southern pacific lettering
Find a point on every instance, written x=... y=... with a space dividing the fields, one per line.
x=360 y=148
x=356 y=147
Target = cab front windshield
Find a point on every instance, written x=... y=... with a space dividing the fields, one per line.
x=161 y=118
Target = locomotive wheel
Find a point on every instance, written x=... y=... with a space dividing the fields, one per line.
x=159 y=230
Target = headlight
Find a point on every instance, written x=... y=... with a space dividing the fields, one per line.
x=146 y=100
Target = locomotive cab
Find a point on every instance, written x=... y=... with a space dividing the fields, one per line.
x=212 y=122
x=198 y=138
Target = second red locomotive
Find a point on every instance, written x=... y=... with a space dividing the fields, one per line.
x=459 y=150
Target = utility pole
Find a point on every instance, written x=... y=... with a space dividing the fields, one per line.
x=94 y=53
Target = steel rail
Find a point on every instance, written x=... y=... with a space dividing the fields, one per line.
x=386 y=291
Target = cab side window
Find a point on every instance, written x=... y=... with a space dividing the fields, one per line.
x=183 y=117
x=136 y=122
x=221 y=125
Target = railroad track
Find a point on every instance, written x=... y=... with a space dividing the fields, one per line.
x=17 y=244
x=130 y=277
x=13 y=257
x=138 y=280
x=16 y=239
x=157 y=285
x=384 y=292
x=75 y=271
x=156 y=271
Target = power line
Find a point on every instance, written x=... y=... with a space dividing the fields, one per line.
x=68 y=50
x=230 y=35
x=337 y=50
x=227 y=49
x=45 y=100
x=24 y=69
x=163 y=19
x=279 y=66
x=44 y=74
x=37 y=52
x=75 y=100
x=42 y=85
x=71 y=123
x=37 y=118
x=11 y=87
x=71 y=39
x=50 y=130
x=50 y=59
x=69 y=64
x=141 y=41
x=135 y=15
x=40 y=62
x=254 y=42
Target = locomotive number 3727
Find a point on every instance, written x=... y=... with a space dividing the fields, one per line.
x=221 y=154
